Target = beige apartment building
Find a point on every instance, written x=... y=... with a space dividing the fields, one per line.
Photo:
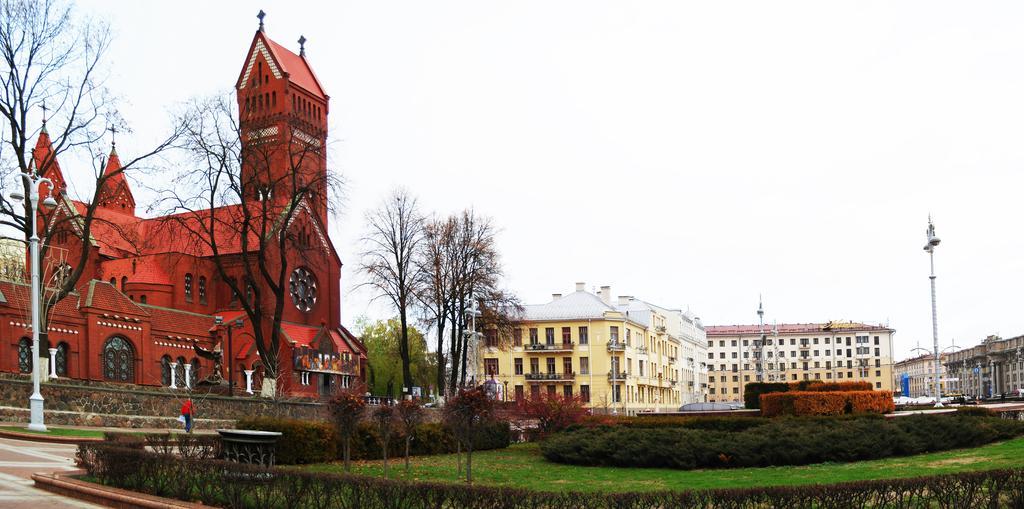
x=831 y=352
x=621 y=356
x=989 y=370
x=915 y=378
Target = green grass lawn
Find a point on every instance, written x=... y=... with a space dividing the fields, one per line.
x=522 y=466
x=57 y=432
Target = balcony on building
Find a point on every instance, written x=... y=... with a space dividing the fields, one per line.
x=550 y=377
x=549 y=347
x=671 y=359
x=615 y=346
x=660 y=329
x=616 y=376
x=641 y=349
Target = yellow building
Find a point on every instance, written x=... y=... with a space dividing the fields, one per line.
x=620 y=357
x=830 y=352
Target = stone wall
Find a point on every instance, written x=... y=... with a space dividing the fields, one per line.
x=134 y=406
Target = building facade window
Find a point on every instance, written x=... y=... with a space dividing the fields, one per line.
x=583 y=336
x=491 y=366
x=25 y=355
x=585 y=393
x=165 y=370
x=518 y=366
x=517 y=337
x=118 y=360
x=61 y=359
x=202 y=289
x=188 y=287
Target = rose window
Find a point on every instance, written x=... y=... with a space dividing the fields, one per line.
x=302 y=286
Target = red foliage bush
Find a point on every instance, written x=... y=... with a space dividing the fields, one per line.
x=553 y=412
x=826 y=403
x=819 y=386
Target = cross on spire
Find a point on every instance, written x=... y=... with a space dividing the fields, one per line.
x=44 y=108
x=261 y=15
x=302 y=45
x=113 y=137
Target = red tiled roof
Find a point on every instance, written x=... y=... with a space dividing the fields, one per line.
x=354 y=344
x=180 y=323
x=791 y=328
x=17 y=296
x=301 y=335
x=101 y=295
x=299 y=71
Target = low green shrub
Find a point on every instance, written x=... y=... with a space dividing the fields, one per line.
x=752 y=392
x=723 y=423
x=317 y=442
x=300 y=442
x=979 y=411
x=782 y=441
x=236 y=486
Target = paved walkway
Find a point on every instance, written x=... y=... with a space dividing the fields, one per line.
x=19 y=459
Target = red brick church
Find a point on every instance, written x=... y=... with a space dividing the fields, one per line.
x=149 y=291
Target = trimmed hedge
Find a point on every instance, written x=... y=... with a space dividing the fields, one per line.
x=318 y=442
x=826 y=403
x=301 y=441
x=723 y=423
x=783 y=441
x=752 y=391
x=235 y=486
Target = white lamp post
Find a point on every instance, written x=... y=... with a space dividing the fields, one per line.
x=933 y=241
x=32 y=182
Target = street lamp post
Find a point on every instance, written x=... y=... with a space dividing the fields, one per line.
x=237 y=324
x=32 y=182
x=933 y=241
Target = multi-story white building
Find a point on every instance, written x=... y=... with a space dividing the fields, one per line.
x=832 y=352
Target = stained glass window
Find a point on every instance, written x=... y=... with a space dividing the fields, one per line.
x=61 y=360
x=118 y=360
x=25 y=355
x=302 y=286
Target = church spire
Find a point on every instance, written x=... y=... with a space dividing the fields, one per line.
x=116 y=194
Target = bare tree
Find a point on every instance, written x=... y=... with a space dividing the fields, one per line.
x=475 y=275
x=389 y=262
x=53 y=63
x=435 y=269
x=251 y=206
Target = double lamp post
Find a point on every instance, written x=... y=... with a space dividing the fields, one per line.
x=32 y=183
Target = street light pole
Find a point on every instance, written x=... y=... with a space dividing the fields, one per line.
x=933 y=241
x=32 y=182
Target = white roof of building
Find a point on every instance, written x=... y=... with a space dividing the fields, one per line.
x=573 y=306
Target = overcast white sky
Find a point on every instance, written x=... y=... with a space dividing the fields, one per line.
x=694 y=155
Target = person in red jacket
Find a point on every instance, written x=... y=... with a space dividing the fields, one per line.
x=186 y=412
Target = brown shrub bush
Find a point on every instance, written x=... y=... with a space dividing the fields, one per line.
x=826 y=403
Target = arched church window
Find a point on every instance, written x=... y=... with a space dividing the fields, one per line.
x=165 y=370
x=124 y=283
x=118 y=360
x=188 y=287
x=273 y=99
x=25 y=355
x=202 y=289
x=142 y=299
x=250 y=293
x=195 y=372
x=113 y=282
x=180 y=370
x=61 y=359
